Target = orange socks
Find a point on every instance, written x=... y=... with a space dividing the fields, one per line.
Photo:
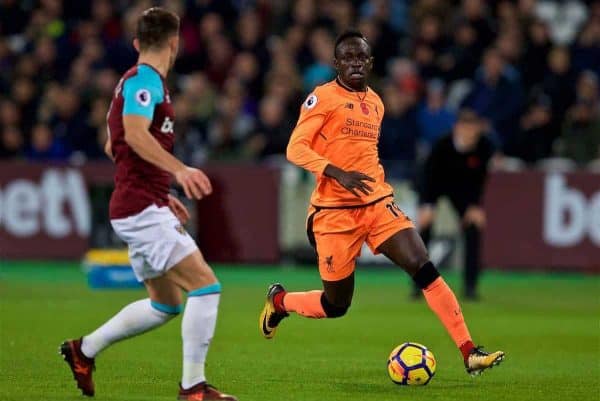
x=442 y=301
x=307 y=304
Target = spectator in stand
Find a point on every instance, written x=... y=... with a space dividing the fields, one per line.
x=250 y=38
x=24 y=95
x=231 y=127
x=399 y=131
x=429 y=42
x=68 y=123
x=580 y=140
x=460 y=59
x=246 y=69
x=497 y=96
x=220 y=55
x=272 y=132
x=534 y=63
x=10 y=115
x=476 y=14
x=438 y=8
x=537 y=132
x=321 y=70
x=558 y=82
x=44 y=146
x=434 y=118
x=11 y=142
x=586 y=50
x=388 y=19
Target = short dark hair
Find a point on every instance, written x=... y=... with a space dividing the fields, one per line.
x=155 y=26
x=350 y=33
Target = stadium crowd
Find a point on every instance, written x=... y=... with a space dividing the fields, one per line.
x=529 y=68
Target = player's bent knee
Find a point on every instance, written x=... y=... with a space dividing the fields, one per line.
x=331 y=310
x=192 y=272
x=426 y=275
x=415 y=262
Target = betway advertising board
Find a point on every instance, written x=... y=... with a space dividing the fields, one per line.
x=543 y=221
x=46 y=211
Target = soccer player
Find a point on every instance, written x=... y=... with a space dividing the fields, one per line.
x=149 y=220
x=336 y=139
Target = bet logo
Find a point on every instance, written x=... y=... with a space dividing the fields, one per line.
x=167 y=126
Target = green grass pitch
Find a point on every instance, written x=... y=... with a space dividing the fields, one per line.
x=547 y=325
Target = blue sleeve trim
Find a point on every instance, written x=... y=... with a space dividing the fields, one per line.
x=142 y=92
x=171 y=310
x=209 y=289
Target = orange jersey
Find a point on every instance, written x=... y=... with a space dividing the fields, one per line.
x=337 y=127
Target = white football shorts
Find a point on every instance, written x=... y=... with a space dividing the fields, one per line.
x=157 y=241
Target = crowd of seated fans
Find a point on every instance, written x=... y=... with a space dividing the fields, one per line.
x=529 y=68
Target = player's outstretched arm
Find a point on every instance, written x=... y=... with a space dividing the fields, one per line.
x=194 y=182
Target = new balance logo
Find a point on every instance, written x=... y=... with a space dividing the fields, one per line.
x=349 y=106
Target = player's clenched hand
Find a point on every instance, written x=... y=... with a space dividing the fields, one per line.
x=178 y=209
x=194 y=182
x=351 y=180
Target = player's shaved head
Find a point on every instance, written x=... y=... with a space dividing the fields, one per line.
x=154 y=28
x=347 y=35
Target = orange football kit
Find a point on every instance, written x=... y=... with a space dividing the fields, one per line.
x=340 y=127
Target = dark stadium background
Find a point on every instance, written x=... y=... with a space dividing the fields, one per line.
x=243 y=70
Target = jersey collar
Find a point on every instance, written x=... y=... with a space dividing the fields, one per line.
x=158 y=72
x=348 y=89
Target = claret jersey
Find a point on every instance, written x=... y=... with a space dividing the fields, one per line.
x=138 y=184
x=340 y=127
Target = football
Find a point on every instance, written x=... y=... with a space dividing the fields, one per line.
x=411 y=364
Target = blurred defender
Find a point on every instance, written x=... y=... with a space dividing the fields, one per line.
x=144 y=215
x=336 y=139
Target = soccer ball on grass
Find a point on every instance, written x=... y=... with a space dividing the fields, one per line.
x=411 y=364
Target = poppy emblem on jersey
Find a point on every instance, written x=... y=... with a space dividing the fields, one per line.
x=143 y=97
x=364 y=108
x=473 y=162
x=311 y=101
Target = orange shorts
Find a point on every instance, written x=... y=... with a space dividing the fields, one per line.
x=339 y=233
